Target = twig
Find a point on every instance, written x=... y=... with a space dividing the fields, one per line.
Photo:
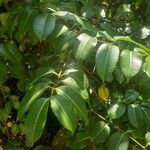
x=116 y=127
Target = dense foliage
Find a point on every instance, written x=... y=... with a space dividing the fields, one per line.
x=75 y=74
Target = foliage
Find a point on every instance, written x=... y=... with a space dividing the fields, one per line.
x=87 y=63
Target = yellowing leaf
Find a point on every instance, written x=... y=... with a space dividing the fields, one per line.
x=103 y=92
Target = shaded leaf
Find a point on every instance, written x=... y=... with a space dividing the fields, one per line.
x=35 y=120
x=43 y=25
x=118 y=141
x=99 y=132
x=31 y=95
x=116 y=111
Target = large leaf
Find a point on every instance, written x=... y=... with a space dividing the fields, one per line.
x=35 y=120
x=116 y=111
x=77 y=102
x=77 y=79
x=131 y=63
x=106 y=60
x=64 y=112
x=43 y=25
x=84 y=46
x=69 y=16
x=99 y=132
x=31 y=95
x=139 y=116
x=118 y=141
x=25 y=20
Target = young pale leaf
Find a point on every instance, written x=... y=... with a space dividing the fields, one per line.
x=64 y=112
x=99 y=132
x=131 y=63
x=147 y=66
x=35 y=120
x=116 y=111
x=83 y=46
x=77 y=102
x=31 y=95
x=118 y=141
x=43 y=25
x=106 y=60
x=147 y=138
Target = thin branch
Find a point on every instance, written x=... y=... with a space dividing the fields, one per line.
x=116 y=127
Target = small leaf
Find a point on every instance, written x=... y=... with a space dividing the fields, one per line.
x=35 y=120
x=39 y=73
x=131 y=63
x=106 y=60
x=116 y=111
x=99 y=132
x=118 y=141
x=43 y=25
x=103 y=92
x=147 y=66
x=147 y=138
x=84 y=46
x=64 y=112
x=3 y=73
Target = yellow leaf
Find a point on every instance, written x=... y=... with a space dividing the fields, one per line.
x=103 y=92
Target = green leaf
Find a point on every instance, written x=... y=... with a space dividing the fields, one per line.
x=118 y=141
x=36 y=119
x=77 y=79
x=39 y=73
x=131 y=63
x=84 y=46
x=12 y=48
x=3 y=73
x=69 y=16
x=136 y=116
x=99 y=132
x=131 y=95
x=30 y=96
x=116 y=111
x=119 y=75
x=80 y=141
x=106 y=60
x=43 y=25
x=64 y=113
x=77 y=102
x=147 y=66
x=87 y=11
x=147 y=138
